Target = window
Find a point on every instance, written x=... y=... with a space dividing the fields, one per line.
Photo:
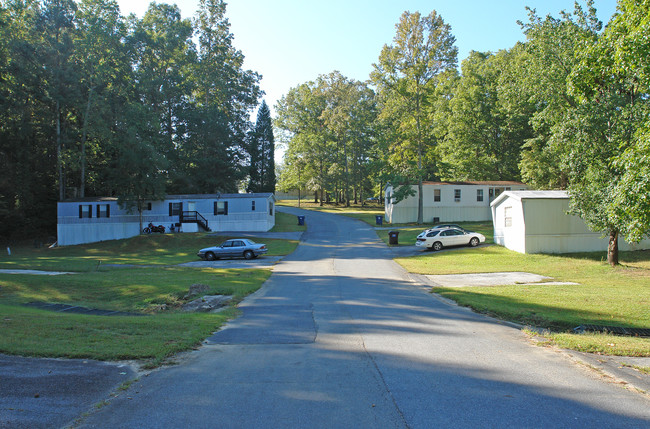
x=253 y=205
x=451 y=232
x=85 y=211
x=175 y=209
x=507 y=216
x=457 y=195
x=270 y=208
x=103 y=210
x=436 y=195
x=221 y=208
x=495 y=192
x=479 y=195
x=148 y=206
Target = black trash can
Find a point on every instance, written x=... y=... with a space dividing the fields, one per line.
x=379 y=219
x=392 y=237
x=301 y=220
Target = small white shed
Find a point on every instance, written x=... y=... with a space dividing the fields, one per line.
x=537 y=222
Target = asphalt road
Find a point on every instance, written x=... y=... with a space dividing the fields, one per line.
x=341 y=337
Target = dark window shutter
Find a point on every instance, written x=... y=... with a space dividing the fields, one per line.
x=90 y=211
x=81 y=213
x=108 y=210
x=171 y=207
x=225 y=207
x=216 y=208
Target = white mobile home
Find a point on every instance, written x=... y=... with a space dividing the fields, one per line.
x=537 y=222
x=448 y=201
x=89 y=220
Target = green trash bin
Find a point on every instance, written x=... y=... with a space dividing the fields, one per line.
x=392 y=237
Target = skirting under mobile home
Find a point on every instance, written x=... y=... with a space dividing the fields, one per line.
x=537 y=222
x=90 y=220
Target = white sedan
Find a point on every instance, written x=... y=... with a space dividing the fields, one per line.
x=436 y=239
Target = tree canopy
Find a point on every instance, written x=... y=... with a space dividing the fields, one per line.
x=568 y=108
x=93 y=103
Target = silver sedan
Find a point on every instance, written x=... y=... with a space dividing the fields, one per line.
x=235 y=248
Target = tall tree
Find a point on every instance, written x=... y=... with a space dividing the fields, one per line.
x=604 y=134
x=136 y=168
x=164 y=52
x=299 y=114
x=104 y=69
x=212 y=156
x=329 y=124
x=29 y=180
x=485 y=126
x=58 y=27
x=262 y=153
x=547 y=59
x=405 y=76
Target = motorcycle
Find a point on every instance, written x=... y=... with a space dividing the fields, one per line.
x=153 y=228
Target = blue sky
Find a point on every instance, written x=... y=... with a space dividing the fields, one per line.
x=290 y=42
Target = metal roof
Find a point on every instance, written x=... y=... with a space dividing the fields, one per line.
x=177 y=197
x=531 y=195
x=473 y=182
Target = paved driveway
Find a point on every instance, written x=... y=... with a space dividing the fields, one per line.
x=341 y=337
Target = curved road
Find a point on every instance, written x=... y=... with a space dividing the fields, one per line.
x=340 y=337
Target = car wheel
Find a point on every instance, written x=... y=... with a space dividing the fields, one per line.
x=474 y=242
x=210 y=256
x=437 y=246
x=249 y=255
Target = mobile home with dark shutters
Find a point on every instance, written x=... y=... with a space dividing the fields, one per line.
x=467 y=201
x=90 y=220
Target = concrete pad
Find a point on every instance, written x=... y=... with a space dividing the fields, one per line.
x=493 y=279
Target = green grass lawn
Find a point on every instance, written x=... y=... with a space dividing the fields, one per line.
x=285 y=222
x=148 y=281
x=157 y=334
x=365 y=212
x=154 y=249
x=151 y=339
x=604 y=296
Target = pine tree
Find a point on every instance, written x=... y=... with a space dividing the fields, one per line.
x=261 y=151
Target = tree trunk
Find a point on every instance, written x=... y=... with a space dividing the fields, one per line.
x=612 y=248
x=84 y=133
x=420 y=203
x=59 y=152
